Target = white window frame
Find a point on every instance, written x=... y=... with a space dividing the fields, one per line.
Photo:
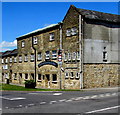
x=65 y=56
x=2 y=61
x=66 y=75
x=39 y=56
x=105 y=56
x=77 y=75
x=52 y=36
x=6 y=60
x=35 y=40
x=26 y=58
x=10 y=59
x=20 y=58
x=78 y=55
x=74 y=56
x=5 y=67
x=47 y=55
x=15 y=59
x=69 y=56
x=23 y=44
x=73 y=30
x=54 y=54
x=68 y=32
x=71 y=75
x=32 y=57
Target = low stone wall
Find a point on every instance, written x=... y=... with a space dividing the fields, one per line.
x=101 y=75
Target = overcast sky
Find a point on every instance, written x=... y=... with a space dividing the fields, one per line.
x=19 y=18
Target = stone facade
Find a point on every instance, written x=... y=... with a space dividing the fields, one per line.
x=86 y=40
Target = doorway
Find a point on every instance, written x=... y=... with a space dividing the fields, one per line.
x=47 y=81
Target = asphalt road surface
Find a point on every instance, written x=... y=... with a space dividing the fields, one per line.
x=98 y=101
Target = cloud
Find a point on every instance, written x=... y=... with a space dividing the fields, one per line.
x=4 y=45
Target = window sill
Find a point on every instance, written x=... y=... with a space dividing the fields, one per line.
x=39 y=80
x=54 y=81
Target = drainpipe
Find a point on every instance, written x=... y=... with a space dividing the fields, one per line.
x=60 y=63
x=34 y=60
x=81 y=51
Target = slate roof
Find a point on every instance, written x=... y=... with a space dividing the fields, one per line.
x=90 y=14
x=9 y=53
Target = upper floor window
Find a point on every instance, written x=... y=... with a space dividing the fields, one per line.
x=20 y=58
x=66 y=75
x=68 y=32
x=2 y=61
x=74 y=55
x=69 y=56
x=26 y=58
x=39 y=56
x=73 y=30
x=54 y=54
x=32 y=57
x=105 y=55
x=10 y=59
x=65 y=57
x=15 y=59
x=52 y=36
x=78 y=55
x=35 y=40
x=6 y=60
x=47 y=55
x=77 y=75
x=23 y=44
x=72 y=74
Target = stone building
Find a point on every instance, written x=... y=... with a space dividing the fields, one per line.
x=79 y=52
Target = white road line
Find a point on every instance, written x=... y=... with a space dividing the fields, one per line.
x=101 y=95
x=86 y=97
x=57 y=94
x=6 y=107
x=42 y=103
x=19 y=105
x=79 y=98
x=31 y=104
x=18 y=98
x=114 y=94
x=62 y=100
x=107 y=94
x=94 y=96
x=103 y=109
x=51 y=102
x=4 y=97
x=0 y=109
x=68 y=100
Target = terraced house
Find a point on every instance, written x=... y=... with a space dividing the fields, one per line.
x=79 y=52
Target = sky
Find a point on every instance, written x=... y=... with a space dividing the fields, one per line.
x=19 y=18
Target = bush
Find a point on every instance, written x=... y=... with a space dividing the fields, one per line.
x=30 y=84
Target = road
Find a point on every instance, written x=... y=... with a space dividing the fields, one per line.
x=98 y=101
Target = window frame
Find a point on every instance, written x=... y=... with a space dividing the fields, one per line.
x=39 y=76
x=20 y=58
x=32 y=57
x=53 y=78
x=68 y=32
x=35 y=40
x=25 y=58
x=54 y=54
x=78 y=55
x=74 y=31
x=39 y=56
x=52 y=36
x=23 y=44
x=47 y=55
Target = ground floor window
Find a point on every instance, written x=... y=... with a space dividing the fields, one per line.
x=39 y=77
x=54 y=77
x=15 y=76
x=72 y=75
x=26 y=76
x=32 y=76
x=66 y=75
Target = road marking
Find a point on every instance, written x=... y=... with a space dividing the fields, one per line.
x=86 y=97
x=31 y=104
x=6 y=107
x=94 y=96
x=62 y=100
x=51 y=102
x=107 y=94
x=11 y=99
x=18 y=98
x=57 y=94
x=42 y=102
x=19 y=105
x=103 y=109
x=114 y=93
x=0 y=109
x=68 y=100
x=78 y=98
x=101 y=95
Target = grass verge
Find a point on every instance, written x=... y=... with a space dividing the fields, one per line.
x=8 y=87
